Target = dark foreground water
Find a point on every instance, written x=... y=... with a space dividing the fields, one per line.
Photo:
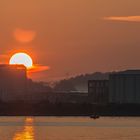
x=69 y=128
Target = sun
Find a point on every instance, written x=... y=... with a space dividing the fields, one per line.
x=21 y=58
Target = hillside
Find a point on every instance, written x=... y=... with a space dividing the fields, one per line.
x=80 y=82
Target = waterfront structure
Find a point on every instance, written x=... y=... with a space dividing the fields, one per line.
x=124 y=87
x=98 y=91
x=13 y=82
x=58 y=97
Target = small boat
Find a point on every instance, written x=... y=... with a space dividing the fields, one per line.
x=94 y=116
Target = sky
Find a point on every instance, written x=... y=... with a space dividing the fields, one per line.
x=72 y=37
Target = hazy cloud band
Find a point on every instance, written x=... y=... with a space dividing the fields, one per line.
x=123 y=18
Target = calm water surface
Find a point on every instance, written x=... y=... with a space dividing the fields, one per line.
x=69 y=128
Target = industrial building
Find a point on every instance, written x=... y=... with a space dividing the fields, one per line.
x=13 y=82
x=98 y=91
x=124 y=87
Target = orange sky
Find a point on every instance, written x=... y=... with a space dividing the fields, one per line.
x=72 y=36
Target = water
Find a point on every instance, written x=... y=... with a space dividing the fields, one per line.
x=69 y=128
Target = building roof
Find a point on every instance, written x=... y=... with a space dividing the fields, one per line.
x=12 y=66
x=128 y=72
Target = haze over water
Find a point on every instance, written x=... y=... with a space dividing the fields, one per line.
x=69 y=128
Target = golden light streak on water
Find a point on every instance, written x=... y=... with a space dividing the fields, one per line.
x=28 y=131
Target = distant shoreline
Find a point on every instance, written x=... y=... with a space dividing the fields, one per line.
x=68 y=109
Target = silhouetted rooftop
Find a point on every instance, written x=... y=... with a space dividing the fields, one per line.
x=128 y=72
x=12 y=66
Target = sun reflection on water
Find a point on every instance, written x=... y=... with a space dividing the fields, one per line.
x=28 y=131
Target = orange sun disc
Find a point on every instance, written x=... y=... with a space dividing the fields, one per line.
x=21 y=58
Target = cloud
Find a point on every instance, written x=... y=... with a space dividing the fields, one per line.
x=123 y=18
x=3 y=58
x=24 y=35
x=38 y=68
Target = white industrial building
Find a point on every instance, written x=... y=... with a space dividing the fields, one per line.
x=124 y=87
x=98 y=91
